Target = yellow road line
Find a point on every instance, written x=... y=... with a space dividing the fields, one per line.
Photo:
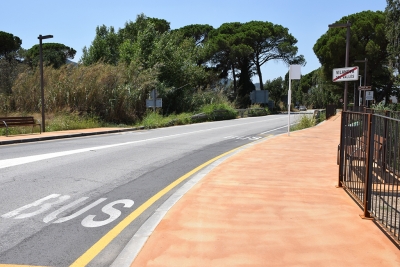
x=92 y=252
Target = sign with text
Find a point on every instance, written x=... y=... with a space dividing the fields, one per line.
x=369 y=95
x=345 y=74
x=150 y=103
x=364 y=88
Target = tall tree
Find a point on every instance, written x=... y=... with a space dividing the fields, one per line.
x=10 y=63
x=393 y=32
x=54 y=54
x=132 y=29
x=227 y=50
x=270 y=42
x=9 y=44
x=367 y=40
x=199 y=32
x=105 y=47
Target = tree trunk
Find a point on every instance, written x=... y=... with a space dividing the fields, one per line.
x=234 y=80
x=260 y=76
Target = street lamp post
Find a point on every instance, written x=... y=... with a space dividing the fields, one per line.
x=365 y=75
x=41 y=77
x=344 y=25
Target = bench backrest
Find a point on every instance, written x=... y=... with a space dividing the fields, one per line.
x=17 y=121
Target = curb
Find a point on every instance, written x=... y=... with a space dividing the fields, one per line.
x=47 y=138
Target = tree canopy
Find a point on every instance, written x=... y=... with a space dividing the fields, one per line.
x=8 y=44
x=367 y=40
x=54 y=54
x=393 y=32
x=242 y=48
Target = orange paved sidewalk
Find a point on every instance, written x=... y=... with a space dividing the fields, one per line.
x=272 y=204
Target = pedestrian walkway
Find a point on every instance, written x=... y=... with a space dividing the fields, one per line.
x=272 y=204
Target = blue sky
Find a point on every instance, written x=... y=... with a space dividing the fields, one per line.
x=73 y=22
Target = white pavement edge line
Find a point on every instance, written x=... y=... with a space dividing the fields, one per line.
x=5 y=163
x=135 y=245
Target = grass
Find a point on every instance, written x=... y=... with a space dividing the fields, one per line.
x=303 y=123
x=71 y=121
x=156 y=120
x=56 y=122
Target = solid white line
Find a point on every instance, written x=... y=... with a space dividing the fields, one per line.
x=24 y=160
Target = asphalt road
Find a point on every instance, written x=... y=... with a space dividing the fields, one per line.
x=64 y=202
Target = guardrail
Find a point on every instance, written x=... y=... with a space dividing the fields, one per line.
x=369 y=165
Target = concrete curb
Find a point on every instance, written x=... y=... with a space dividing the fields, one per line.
x=64 y=136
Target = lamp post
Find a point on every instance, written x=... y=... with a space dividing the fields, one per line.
x=344 y=25
x=41 y=76
x=365 y=75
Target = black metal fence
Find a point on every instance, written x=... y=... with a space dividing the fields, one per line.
x=369 y=164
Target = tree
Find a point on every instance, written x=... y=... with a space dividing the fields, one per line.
x=242 y=48
x=270 y=42
x=132 y=29
x=54 y=54
x=10 y=62
x=199 y=32
x=275 y=89
x=228 y=52
x=9 y=44
x=393 y=32
x=105 y=47
x=367 y=40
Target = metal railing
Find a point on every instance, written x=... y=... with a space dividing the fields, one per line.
x=369 y=165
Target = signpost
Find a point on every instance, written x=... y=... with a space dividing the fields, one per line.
x=295 y=74
x=345 y=74
x=364 y=88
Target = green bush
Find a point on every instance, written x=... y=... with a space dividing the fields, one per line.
x=155 y=120
x=221 y=111
x=304 y=122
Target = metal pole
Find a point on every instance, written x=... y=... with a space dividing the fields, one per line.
x=346 y=85
x=41 y=83
x=289 y=102
x=365 y=78
x=155 y=96
x=41 y=78
x=368 y=171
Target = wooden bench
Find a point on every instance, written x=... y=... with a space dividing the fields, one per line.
x=6 y=122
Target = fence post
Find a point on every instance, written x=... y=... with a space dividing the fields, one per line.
x=369 y=148
x=341 y=151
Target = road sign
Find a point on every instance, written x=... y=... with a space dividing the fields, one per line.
x=364 y=88
x=369 y=95
x=345 y=74
x=150 y=103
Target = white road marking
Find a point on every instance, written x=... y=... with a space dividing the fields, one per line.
x=24 y=160
x=43 y=208
x=52 y=216
x=85 y=209
x=275 y=129
x=107 y=209
x=88 y=221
